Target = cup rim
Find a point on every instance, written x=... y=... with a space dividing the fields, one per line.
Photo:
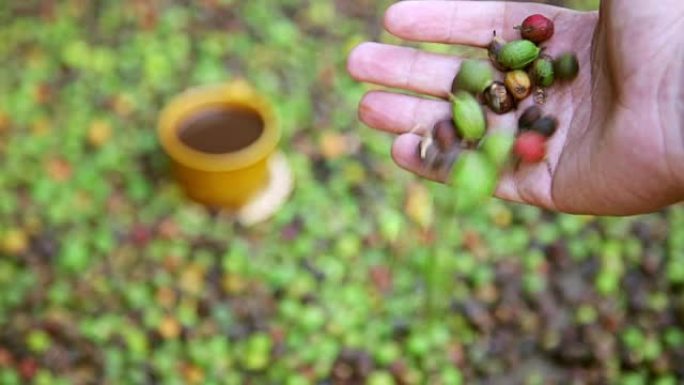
x=236 y=94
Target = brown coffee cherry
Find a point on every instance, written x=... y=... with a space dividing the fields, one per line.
x=529 y=117
x=546 y=126
x=498 y=98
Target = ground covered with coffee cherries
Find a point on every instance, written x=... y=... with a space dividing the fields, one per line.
x=368 y=276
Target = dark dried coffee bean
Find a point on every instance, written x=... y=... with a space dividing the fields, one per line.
x=444 y=134
x=529 y=117
x=546 y=126
x=498 y=98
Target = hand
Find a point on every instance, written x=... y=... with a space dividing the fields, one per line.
x=619 y=148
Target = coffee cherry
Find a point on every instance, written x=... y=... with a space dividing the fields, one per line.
x=545 y=126
x=493 y=51
x=518 y=54
x=566 y=66
x=497 y=147
x=518 y=84
x=530 y=147
x=542 y=72
x=537 y=28
x=529 y=117
x=444 y=135
x=473 y=76
x=498 y=98
x=468 y=116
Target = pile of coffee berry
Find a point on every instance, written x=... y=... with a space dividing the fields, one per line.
x=463 y=144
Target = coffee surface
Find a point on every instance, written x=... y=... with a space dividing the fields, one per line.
x=221 y=130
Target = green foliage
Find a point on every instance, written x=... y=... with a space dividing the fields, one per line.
x=114 y=267
x=257 y=351
x=380 y=378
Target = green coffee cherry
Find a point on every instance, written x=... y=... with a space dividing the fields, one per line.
x=518 y=54
x=473 y=76
x=468 y=116
x=497 y=148
x=566 y=66
x=474 y=177
x=542 y=72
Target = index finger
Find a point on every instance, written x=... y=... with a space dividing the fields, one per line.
x=462 y=22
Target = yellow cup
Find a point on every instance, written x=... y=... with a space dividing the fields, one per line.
x=215 y=163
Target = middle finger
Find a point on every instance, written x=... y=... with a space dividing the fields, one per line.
x=404 y=68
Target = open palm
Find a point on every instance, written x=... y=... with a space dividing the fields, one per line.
x=619 y=148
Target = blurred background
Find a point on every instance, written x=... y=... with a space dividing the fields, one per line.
x=367 y=275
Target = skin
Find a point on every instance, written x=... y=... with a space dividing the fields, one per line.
x=619 y=148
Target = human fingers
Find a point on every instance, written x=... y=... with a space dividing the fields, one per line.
x=405 y=150
x=404 y=68
x=399 y=113
x=462 y=22
x=405 y=153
